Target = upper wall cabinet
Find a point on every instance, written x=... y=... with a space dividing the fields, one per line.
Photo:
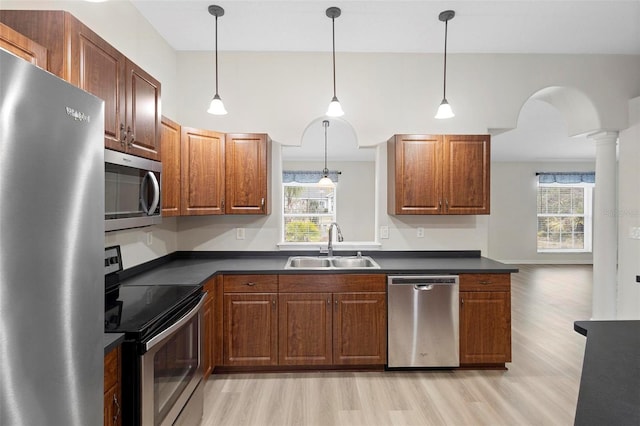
x=224 y=174
x=22 y=46
x=247 y=173
x=438 y=174
x=170 y=157
x=80 y=56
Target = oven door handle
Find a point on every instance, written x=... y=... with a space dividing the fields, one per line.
x=166 y=333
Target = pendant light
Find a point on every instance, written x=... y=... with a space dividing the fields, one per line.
x=334 y=110
x=444 y=110
x=216 y=107
x=326 y=180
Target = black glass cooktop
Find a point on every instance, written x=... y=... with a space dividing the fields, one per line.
x=133 y=309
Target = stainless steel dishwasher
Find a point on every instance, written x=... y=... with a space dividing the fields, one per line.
x=423 y=321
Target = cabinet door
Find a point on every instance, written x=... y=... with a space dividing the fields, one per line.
x=112 y=388
x=143 y=112
x=466 y=176
x=359 y=328
x=202 y=171
x=23 y=47
x=207 y=353
x=305 y=328
x=170 y=157
x=250 y=329
x=485 y=327
x=247 y=163
x=415 y=174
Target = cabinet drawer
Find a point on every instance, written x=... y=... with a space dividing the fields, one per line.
x=250 y=283
x=485 y=282
x=111 y=363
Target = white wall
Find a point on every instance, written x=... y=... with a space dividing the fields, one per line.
x=513 y=224
x=629 y=216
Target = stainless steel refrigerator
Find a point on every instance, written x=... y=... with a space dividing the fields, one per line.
x=51 y=249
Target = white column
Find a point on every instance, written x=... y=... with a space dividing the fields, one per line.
x=605 y=228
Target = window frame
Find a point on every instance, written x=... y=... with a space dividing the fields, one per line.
x=588 y=195
x=284 y=216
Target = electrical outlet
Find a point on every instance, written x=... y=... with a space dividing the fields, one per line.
x=384 y=232
x=239 y=233
x=420 y=232
x=149 y=238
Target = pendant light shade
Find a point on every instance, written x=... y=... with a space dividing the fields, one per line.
x=444 y=110
x=335 y=109
x=325 y=180
x=216 y=107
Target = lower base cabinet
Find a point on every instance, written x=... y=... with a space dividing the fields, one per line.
x=304 y=320
x=485 y=319
x=112 y=389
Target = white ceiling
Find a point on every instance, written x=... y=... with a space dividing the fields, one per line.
x=501 y=26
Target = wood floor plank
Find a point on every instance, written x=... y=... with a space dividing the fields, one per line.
x=540 y=386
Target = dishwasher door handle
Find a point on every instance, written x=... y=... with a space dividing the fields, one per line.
x=423 y=287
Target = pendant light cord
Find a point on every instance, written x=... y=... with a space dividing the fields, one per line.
x=444 y=92
x=333 y=33
x=325 y=124
x=216 y=54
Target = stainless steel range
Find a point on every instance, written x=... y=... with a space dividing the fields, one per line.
x=162 y=351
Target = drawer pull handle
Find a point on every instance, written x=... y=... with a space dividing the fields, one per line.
x=485 y=282
x=251 y=284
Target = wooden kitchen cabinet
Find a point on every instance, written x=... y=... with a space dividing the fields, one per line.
x=112 y=388
x=305 y=335
x=202 y=172
x=250 y=320
x=170 y=157
x=247 y=173
x=208 y=340
x=485 y=319
x=22 y=46
x=438 y=174
x=81 y=57
x=332 y=319
x=224 y=173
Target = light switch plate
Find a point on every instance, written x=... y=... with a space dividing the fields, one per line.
x=420 y=232
x=634 y=233
x=384 y=232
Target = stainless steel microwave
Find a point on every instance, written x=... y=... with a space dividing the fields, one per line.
x=132 y=196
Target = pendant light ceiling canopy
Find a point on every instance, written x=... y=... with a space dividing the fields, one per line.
x=335 y=109
x=216 y=107
x=444 y=110
x=325 y=180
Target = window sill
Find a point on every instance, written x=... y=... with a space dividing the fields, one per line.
x=565 y=251
x=344 y=245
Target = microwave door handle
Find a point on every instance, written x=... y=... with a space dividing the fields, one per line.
x=156 y=193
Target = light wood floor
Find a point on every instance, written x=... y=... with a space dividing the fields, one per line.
x=539 y=388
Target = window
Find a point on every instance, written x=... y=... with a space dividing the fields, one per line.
x=308 y=210
x=564 y=217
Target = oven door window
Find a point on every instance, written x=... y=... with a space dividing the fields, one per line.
x=175 y=365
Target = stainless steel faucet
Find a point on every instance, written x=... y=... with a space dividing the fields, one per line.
x=340 y=238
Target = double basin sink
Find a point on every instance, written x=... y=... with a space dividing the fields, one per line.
x=332 y=262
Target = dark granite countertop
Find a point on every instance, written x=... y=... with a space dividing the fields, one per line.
x=111 y=341
x=610 y=383
x=196 y=267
